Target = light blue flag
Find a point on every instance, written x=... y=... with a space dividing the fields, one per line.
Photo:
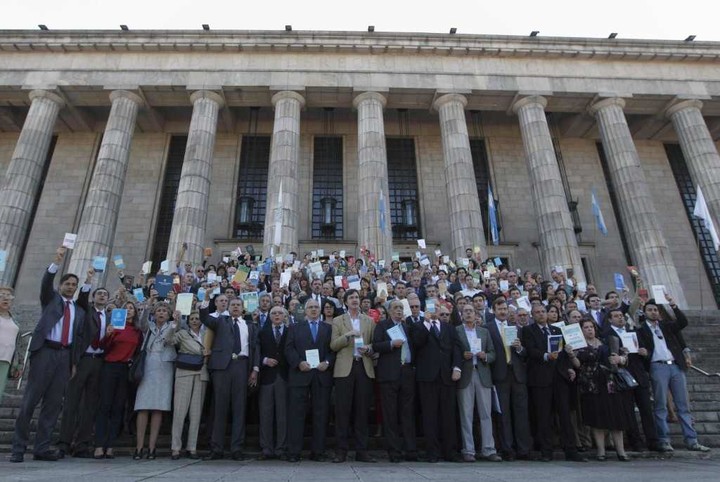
x=381 y=208
x=492 y=214
x=600 y=221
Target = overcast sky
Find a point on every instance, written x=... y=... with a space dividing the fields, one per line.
x=653 y=19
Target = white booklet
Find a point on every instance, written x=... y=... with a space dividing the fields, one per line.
x=511 y=334
x=574 y=336
x=312 y=357
x=630 y=341
x=396 y=333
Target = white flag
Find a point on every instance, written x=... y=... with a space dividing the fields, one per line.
x=278 y=218
x=701 y=211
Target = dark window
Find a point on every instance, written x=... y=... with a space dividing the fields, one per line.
x=572 y=205
x=171 y=183
x=327 y=207
x=252 y=187
x=688 y=194
x=615 y=203
x=402 y=179
x=481 y=166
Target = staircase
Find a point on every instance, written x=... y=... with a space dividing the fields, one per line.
x=702 y=336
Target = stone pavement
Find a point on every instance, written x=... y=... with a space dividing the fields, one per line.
x=690 y=467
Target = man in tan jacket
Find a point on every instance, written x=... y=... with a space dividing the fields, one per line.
x=352 y=335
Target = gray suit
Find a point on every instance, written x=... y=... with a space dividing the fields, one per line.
x=50 y=368
x=474 y=389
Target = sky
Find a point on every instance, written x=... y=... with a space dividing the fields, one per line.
x=649 y=19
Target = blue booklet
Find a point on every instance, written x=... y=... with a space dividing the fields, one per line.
x=163 y=285
x=99 y=263
x=118 y=318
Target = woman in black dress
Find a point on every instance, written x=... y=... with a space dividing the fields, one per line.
x=603 y=407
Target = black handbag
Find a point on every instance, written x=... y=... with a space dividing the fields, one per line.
x=188 y=361
x=624 y=380
x=137 y=365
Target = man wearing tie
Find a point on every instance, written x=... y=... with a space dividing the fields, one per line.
x=83 y=392
x=395 y=373
x=315 y=292
x=55 y=349
x=309 y=336
x=352 y=335
x=273 y=385
x=262 y=314
x=510 y=379
x=415 y=316
x=598 y=315
x=233 y=364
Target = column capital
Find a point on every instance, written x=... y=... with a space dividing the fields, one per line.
x=447 y=98
x=288 y=94
x=369 y=96
x=46 y=94
x=601 y=104
x=531 y=99
x=126 y=94
x=207 y=94
x=684 y=104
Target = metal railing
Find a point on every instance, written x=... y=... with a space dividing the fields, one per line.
x=703 y=372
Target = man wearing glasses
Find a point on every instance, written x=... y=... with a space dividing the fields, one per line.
x=667 y=367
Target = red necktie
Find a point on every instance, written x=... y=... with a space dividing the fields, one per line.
x=65 y=338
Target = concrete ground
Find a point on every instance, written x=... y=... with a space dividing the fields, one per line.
x=682 y=466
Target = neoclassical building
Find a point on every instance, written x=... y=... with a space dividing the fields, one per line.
x=140 y=141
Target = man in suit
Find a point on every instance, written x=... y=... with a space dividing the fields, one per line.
x=395 y=372
x=55 y=348
x=262 y=315
x=437 y=362
x=305 y=381
x=636 y=366
x=273 y=385
x=509 y=374
x=459 y=283
x=352 y=336
x=233 y=365
x=415 y=316
x=82 y=397
x=596 y=311
x=474 y=389
x=545 y=387
x=315 y=292
x=667 y=367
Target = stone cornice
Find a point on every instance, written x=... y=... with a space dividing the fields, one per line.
x=356 y=42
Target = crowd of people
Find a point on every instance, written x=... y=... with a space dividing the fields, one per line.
x=450 y=354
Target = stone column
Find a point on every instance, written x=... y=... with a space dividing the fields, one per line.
x=558 y=244
x=102 y=206
x=466 y=222
x=699 y=150
x=282 y=173
x=192 y=199
x=22 y=178
x=637 y=208
x=373 y=177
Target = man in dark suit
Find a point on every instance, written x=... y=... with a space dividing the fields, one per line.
x=305 y=381
x=83 y=391
x=666 y=364
x=546 y=387
x=55 y=350
x=636 y=366
x=395 y=372
x=437 y=363
x=272 y=379
x=415 y=316
x=233 y=365
x=595 y=310
x=509 y=374
x=315 y=292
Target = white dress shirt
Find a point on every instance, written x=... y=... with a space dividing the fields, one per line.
x=244 y=335
x=661 y=351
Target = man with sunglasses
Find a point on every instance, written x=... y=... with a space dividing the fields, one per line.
x=667 y=367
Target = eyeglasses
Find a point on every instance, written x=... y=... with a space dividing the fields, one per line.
x=7 y=297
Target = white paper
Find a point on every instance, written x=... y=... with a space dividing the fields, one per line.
x=212 y=277
x=658 y=292
x=421 y=243
x=511 y=334
x=504 y=285
x=581 y=305
x=320 y=253
x=406 y=308
x=582 y=286
x=285 y=278
x=338 y=281
x=630 y=341
x=425 y=261
x=476 y=345
x=313 y=357
x=183 y=303
x=165 y=266
x=315 y=267
x=69 y=241
x=446 y=258
x=430 y=306
x=342 y=253
x=574 y=336
x=438 y=253
x=558 y=324
x=465 y=262
x=382 y=290
x=396 y=333
x=359 y=343
x=313 y=254
x=524 y=302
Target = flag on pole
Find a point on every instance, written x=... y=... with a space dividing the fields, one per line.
x=381 y=208
x=701 y=211
x=278 y=217
x=599 y=220
x=492 y=215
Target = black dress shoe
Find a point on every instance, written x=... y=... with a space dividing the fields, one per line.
x=61 y=453
x=432 y=460
x=318 y=458
x=282 y=457
x=546 y=458
x=213 y=456
x=175 y=457
x=623 y=458
x=237 y=455
x=340 y=457
x=48 y=456
x=137 y=455
x=193 y=455
x=152 y=455
x=293 y=459
x=83 y=454
x=17 y=458
x=364 y=457
x=394 y=459
x=411 y=457
x=575 y=457
x=454 y=458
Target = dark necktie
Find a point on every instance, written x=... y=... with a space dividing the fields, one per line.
x=98 y=324
x=277 y=334
x=263 y=317
x=65 y=337
x=435 y=329
x=546 y=331
x=237 y=344
x=313 y=330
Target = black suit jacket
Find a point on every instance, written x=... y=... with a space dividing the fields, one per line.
x=299 y=339
x=500 y=367
x=540 y=373
x=92 y=324
x=269 y=348
x=435 y=356
x=53 y=307
x=222 y=349
x=636 y=363
x=671 y=330
x=389 y=364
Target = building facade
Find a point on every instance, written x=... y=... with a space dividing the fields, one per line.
x=140 y=141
